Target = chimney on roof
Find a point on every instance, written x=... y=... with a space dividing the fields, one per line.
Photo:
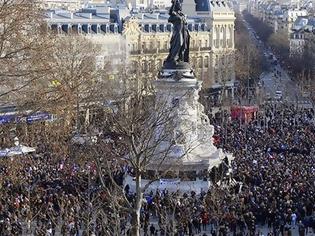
x=51 y=15
x=142 y=16
x=71 y=15
x=90 y=15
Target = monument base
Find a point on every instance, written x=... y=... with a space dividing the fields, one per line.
x=172 y=185
x=189 y=146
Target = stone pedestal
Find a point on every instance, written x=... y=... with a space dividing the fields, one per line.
x=190 y=149
x=193 y=148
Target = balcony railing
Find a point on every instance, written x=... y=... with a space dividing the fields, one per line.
x=164 y=50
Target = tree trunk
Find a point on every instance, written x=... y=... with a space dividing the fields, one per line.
x=135 y=221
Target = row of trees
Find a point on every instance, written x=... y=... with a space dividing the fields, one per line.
x=278 y=41
x=249 y=63
x=300 y=64
x=263 y=30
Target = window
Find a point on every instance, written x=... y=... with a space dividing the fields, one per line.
x=200 y=62
x=144 y=66
x=206 y=62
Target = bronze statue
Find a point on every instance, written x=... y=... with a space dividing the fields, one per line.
x=179 y=45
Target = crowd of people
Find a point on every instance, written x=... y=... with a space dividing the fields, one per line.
x=275 y=162
x=272 y=185
x=273 y=177
x=46 y=195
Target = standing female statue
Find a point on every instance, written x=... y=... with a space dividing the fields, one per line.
x=179 y=45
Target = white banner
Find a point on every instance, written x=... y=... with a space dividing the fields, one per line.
x=169 y=181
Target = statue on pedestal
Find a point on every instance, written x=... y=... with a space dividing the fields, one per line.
x=179 y=45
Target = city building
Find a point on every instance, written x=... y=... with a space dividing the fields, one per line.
x=302 y=29
x=149 y=4
x=220 y=18
x=71 y=5
x=297 y=42
x=240 y=5
x=144 y=37
x=148 y=36
x=97 y=27
x=290 y=16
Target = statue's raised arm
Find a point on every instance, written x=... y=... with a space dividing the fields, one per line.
x=179 y=45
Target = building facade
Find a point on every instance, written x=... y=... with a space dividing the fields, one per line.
x=70 y=5
x=220 y=18
x=148 y=37
x=144 y=40
x=302 y=30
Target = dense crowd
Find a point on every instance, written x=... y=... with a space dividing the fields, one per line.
x=272 y=185
x=275 y=162
x=42 y=195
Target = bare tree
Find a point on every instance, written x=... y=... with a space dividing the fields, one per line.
x=279 y=41
x=249 y=63
x=71 y=78
x=69 y=87
x=143 y=135
x=262 y=28
x=22 y=43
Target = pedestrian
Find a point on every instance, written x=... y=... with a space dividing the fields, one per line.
x=301 y=228
x=152 y=230
x=205 y=221
x=287 y=229
x=293 y=220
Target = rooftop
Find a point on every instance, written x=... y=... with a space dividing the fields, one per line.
x=63 y=16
